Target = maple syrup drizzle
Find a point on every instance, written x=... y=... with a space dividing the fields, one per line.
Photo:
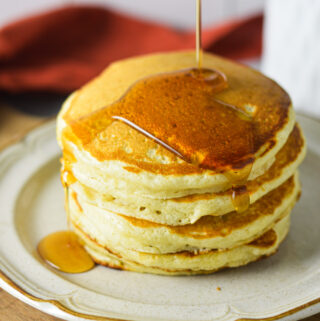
x=240 y=196
x=63 y=250
x=199 y=52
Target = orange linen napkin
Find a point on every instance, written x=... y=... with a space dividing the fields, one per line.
x=61 y=50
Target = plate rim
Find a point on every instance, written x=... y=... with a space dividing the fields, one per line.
x=64 y=309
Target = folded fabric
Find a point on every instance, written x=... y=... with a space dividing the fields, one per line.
x=61 y=50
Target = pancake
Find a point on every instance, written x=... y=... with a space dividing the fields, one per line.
x=188 y=209
x=210 y=232
x=187 y=263
x=174 y=170
x=119 y=156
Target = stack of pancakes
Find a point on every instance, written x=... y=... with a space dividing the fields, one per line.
x=137 y=206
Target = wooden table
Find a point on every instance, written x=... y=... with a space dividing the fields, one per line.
x=13 y=126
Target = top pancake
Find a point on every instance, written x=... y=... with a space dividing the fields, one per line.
x=122 y=152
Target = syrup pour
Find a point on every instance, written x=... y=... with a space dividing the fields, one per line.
x=240 y=196
x=198 y=34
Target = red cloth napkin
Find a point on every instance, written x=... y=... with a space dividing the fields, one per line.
x=61 y=50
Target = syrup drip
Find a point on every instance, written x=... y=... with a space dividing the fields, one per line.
x=67 y=177
x=63 y=251
x=198 y=34
x=240 y=195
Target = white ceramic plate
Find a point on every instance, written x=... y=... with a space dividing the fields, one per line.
x=31 y=202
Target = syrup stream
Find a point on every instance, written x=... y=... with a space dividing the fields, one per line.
x=198 y=34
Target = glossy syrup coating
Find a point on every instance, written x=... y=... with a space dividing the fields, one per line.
x=257 y=96
x=180 y=111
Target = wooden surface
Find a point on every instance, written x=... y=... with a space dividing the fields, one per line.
x=12 y=309
x=13 y=126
